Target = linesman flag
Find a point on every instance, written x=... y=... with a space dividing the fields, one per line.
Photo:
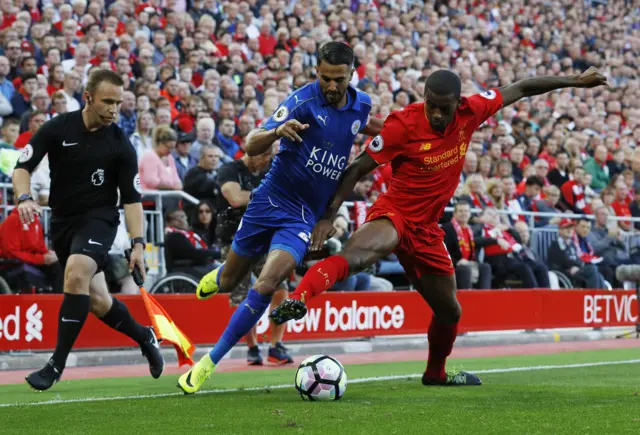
x=167 y=330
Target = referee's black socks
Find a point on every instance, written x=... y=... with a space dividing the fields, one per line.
x=119 y=318
x=73 y=312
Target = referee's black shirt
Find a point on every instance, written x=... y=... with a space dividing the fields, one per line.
x=87 y=167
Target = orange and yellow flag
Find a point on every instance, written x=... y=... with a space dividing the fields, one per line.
x=167 y=330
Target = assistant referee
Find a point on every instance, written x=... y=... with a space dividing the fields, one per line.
x=90 y=160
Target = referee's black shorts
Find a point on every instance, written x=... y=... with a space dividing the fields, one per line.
x=91 y=234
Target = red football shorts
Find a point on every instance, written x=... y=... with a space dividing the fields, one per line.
x=421 y=250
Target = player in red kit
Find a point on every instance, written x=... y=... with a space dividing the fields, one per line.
x=426 y=145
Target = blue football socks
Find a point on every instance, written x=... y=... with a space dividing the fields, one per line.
x=246 y=315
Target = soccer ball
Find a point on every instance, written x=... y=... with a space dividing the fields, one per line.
x=321 y=377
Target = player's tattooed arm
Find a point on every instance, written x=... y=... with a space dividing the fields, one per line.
x=374 y=127
x=541 y=85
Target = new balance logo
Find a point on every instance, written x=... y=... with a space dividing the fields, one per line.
x=91 y=242
x=253 y=310
x=324 y=120
x=65 y=144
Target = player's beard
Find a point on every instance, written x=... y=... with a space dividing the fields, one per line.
x=335 y=97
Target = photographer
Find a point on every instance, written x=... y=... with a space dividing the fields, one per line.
x=236 y=180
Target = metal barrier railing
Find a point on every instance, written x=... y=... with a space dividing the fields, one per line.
x=541 y=237
x=154 y=223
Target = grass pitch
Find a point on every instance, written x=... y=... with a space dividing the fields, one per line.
x=569 y=393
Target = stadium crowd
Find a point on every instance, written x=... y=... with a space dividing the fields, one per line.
x=201 y=74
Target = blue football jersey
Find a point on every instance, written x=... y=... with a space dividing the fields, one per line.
x=304 y=176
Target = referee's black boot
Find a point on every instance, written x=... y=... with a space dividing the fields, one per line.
x=44 y=378
x=151 y=351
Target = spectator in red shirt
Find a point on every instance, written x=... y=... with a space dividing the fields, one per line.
x=170 y=91
x=621 y=205
x=186 y=120
x=267 y=40
x=26 y=243
x=66 y=12
x=28 y=65
x=36 y=119
x=550 y=150
x=32 y=7
x=223 y=45
x=527 y=38
x=541 y=168
x=103 y=54
x=573 y=192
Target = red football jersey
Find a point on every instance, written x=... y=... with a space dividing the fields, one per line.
x=426 y=164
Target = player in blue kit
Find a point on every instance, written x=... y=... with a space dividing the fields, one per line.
x=317 y=125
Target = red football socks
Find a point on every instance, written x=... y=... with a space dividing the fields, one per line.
x=321 y=276
x=441 y=339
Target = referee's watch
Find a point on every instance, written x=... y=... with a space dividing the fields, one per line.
x=138 y=240
x=24 y=197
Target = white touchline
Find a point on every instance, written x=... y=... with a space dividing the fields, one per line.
x=351 y=381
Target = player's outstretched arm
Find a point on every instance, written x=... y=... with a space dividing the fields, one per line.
x=361 y=166
x=541 y=85
x=259 y=140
